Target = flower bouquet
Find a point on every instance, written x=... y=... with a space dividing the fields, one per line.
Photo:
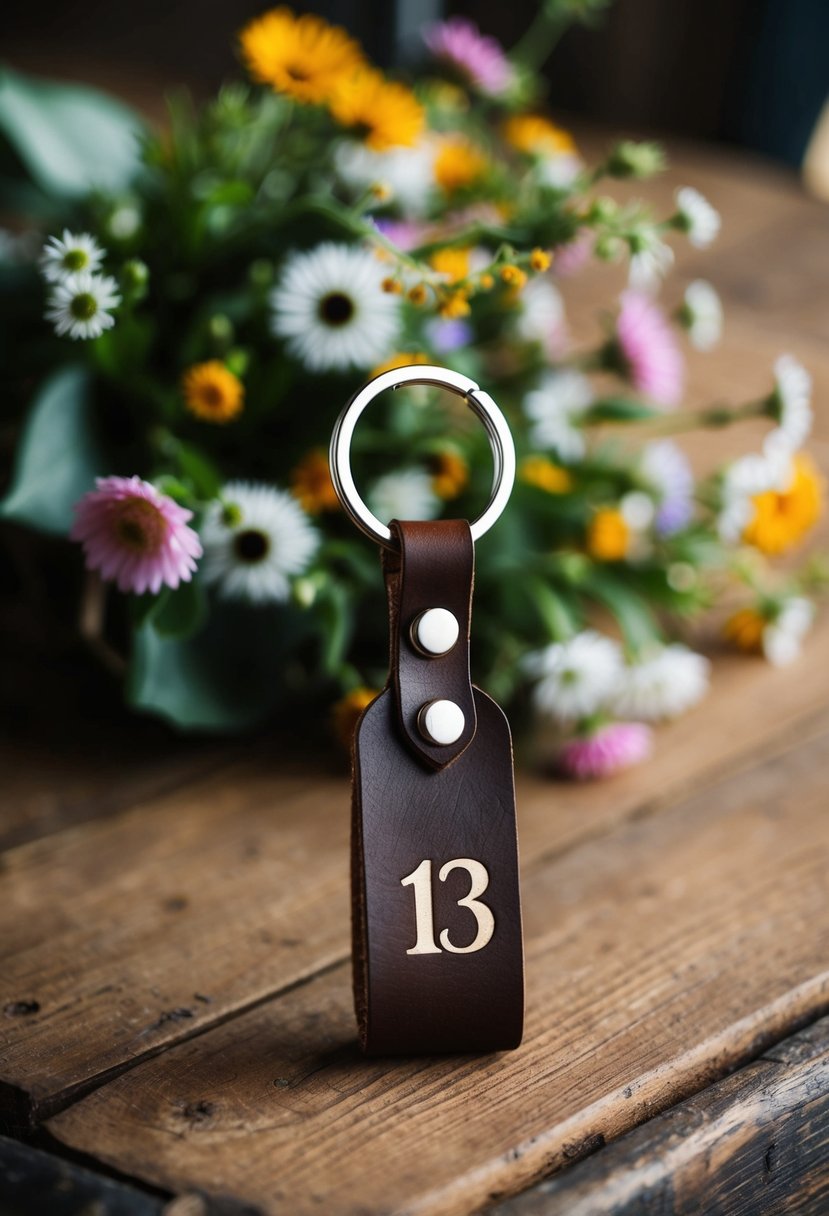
x=216 y=290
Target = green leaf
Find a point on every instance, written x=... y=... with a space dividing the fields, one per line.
x=70 y=138
x=181 y=612
x=200 y=471
x=58 y=456
x=618 y=409
x=227 y=676
x=632 y=613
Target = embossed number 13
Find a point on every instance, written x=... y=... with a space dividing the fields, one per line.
x=421 y=880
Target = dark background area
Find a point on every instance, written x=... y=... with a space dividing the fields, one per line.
x=753 y=72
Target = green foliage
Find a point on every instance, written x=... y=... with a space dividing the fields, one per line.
x=59 y=454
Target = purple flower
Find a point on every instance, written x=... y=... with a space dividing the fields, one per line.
x=607 y=750
x=451 y=334
x=479 y=59
x=666 y=469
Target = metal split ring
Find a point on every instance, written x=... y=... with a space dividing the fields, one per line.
x=500 y=440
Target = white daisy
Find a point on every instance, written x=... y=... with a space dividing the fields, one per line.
x=331 y=308
x=696 y=217
x=542 y=316
x=69 y=254
x=80 y=304
x=559 y=171
x=701 y=315
x=651 y=260
x=555 y=408
x=663 y=683
x=575 y=678
x=790 y=405
x=783 y=636
x=404 y=495
x=254 y=541
x=744 y=479
x=408 y=172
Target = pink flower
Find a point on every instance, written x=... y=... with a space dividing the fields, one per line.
x=405 y=234
x=569 y=259
x=648 y=351
x=479 y=59
x=608 y=750
x=135 y=536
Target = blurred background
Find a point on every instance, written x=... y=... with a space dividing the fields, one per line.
x=750 y=72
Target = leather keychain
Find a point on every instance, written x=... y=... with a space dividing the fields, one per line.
x=436 y=914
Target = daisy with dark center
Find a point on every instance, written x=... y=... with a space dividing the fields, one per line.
x=383 y=113
x=331 y=309
x=303 y=57
x=134 y=536
x=212 y=392
x=312 y=485
x=480 y=61
x=80 y=305
x=69 y=254
x=255 y=540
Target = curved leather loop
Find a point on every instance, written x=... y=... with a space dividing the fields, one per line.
x=433 y=567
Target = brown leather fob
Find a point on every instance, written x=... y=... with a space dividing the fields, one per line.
x=438 y=955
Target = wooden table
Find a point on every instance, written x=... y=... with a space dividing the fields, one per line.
x=177 y=1032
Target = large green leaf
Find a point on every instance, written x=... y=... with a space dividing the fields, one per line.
x=58 y=456
x=226 y=677
x=69 y=137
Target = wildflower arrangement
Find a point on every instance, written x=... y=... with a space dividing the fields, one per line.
x=216 y=299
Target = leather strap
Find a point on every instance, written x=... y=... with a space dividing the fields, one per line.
x=438 y=956
x=433 y=567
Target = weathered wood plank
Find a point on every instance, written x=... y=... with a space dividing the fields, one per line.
x=659 y=958
x=151 y=925
x=755 y=1144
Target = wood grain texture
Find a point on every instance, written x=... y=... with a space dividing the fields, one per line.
x=658 y=958
x=149 y=926
x=757 y=1142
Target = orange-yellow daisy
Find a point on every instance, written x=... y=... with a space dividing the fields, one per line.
x=538 y=136
x=450 y=473
x=212 y=392
x=400 y=358
x=302 y=56
x=745 y=630
x=346 y=713
x=783 y=517
x=608 y=535
x=458 y=164
x=312 y=485
x=541 y=472
x=386 y=114
x=453 y=263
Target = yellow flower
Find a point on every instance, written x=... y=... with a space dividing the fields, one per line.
x=458 y=163
x=456 y=304
x=783 y=517
x=540 y=260
x=514 y=276
x=392 y=286
x=312 y=485
x=450 y=473
x=453 y=263
x=212 y=392
x=418 y=294
x=346 y=713
x=541 y=472
x=385 y=114
x=304 y=56
x=537 y=136
x=745 y=630
x=400 y=358
x=608 y=535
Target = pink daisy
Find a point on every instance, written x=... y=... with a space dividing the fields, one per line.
x=647 y=350
x=134 y=536
x=606 y=751
x=475 y=56
x=569 y=259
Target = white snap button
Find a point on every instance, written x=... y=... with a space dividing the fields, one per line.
x=435 y=631
x=441 y=722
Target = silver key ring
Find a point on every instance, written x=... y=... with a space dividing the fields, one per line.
x=497 y=429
